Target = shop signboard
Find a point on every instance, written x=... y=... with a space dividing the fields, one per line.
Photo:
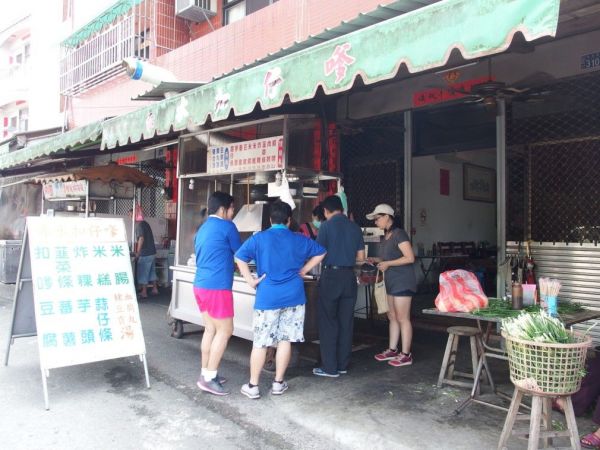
x=84 y=300
x=85 y=303
x=65 y=189
x=246 y=156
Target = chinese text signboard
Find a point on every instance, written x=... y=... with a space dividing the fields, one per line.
x=247 y=156
x=84 y=295
x=65 y=189
x=444 y=94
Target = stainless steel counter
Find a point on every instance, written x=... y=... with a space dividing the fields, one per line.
x=183 y=305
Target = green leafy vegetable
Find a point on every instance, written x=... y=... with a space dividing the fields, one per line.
x=502 y=309
x=537 y=327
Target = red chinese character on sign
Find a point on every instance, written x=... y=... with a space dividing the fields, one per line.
x=339 y=62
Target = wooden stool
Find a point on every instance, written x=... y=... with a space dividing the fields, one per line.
x=447 y=371
x=541 y=410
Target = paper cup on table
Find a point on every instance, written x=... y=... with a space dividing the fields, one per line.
x=529 y=294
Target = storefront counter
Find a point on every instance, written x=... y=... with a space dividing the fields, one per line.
x=183 y=307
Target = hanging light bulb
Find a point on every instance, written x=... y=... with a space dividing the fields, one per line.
x=191 y=185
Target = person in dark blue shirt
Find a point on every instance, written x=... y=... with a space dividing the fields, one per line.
x=337 y=287
x=215 y=243
x=282 y=259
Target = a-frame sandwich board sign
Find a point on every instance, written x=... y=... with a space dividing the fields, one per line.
x=75 y=291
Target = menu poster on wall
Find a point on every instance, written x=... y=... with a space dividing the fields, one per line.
x=247 y=156
x=84 y=295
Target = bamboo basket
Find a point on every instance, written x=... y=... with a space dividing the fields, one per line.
x=547 y=369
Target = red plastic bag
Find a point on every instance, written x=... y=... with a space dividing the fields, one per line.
x=460 y=291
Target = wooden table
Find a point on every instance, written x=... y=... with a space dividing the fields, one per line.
x=499 y=352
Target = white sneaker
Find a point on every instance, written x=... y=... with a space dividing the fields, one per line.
x=250 y=392
x=279 y=388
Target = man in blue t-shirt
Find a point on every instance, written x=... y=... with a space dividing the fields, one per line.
x=337 y=288
x=282 y=259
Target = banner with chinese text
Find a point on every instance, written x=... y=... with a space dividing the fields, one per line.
x=247 y=156
x=84 y=295
x=65 y=189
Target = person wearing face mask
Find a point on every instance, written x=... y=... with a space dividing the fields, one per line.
x=311 y=229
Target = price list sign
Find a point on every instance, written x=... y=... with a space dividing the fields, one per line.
x=84 y=295
x=247 y=156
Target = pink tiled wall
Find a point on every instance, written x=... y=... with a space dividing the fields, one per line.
x=265 y=31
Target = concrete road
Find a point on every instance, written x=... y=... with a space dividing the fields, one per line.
x=106 y=405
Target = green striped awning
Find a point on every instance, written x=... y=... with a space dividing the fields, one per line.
x=67 y=140
x=421 y=39
x=108 y=16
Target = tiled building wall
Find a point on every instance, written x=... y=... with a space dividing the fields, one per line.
x=265 y=31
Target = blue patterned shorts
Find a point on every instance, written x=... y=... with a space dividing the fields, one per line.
x=275 y=325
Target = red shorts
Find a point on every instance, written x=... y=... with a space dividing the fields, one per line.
x=217 y=303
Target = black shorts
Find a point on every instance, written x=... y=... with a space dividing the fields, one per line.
x=405 y=293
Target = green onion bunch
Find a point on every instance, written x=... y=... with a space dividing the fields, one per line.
x=537 y=327
x=503 y=309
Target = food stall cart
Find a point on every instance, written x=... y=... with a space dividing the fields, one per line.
x=246 y=160
x=102 y=191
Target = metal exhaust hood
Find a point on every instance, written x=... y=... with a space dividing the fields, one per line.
x=249 y=218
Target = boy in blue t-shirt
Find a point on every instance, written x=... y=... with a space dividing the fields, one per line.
x=282 y=259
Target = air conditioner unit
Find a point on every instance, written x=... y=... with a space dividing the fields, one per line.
x=196 y=10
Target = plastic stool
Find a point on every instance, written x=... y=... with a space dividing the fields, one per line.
x=447 y=371
x=541 y=410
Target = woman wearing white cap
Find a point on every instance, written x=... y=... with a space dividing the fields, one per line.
x=397 y=261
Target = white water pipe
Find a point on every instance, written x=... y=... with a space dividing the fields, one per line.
x=141 y=70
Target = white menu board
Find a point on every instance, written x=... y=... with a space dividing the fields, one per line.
x=84 y=295
x=247 y=156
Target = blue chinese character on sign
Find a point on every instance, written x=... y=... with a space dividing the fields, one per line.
x=66 y=307
x=62 y=253
x=63 y=266
x=83 y=305
x=69 y=339
x=103 y=319
x=41 y=253
x=117 y=250
x=101 y=304
x=49 y=340
x=226 y=158
x=99 y=251
x=84 y=280
x=81 y=252
x=65 y=281
x=46 y=308
x=87 y=336
x=44 y=282
x=105 y=334
x=121 y=278
x=104 y=279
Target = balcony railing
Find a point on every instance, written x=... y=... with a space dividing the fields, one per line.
x=97 y=59
x=138 y=33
